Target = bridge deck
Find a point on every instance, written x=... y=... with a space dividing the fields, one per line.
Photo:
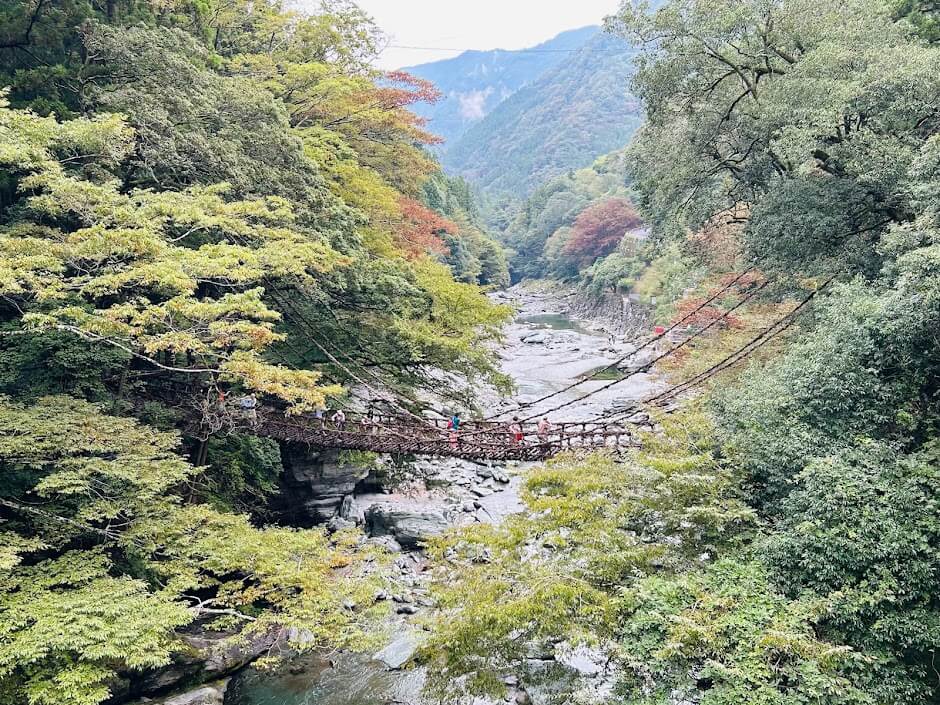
x=390 y=434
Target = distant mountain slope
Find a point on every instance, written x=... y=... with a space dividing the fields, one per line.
x=574 y=112
x=477 y=81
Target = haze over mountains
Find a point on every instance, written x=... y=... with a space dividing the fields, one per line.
x=477 y=81
x=514 y=119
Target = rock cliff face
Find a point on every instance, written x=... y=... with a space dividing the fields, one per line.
x=314 y=484
x=614 y=311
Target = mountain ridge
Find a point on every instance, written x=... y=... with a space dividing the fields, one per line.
x=476 y=81
x=576 y=111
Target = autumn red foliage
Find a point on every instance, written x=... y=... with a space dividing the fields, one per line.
x=421 y=229
x=408 y=89
x=404 y=89
x=599 y=229
x=715 y=310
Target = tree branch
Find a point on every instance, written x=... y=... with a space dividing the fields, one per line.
x=29 y=29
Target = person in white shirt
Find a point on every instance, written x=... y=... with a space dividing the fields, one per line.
x=544 y=428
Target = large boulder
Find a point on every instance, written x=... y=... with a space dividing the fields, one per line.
x=409 y=527
x=536 y=338
x=350 y=510
x=212 y=694
x=315 y=483
x=400 y=651
x=206 y=656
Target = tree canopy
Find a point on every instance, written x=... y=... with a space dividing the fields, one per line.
x=793 y=554
x=204 y=197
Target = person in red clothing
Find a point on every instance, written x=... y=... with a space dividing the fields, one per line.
x=515 y=428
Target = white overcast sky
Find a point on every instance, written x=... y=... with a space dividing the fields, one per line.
x=474 y=24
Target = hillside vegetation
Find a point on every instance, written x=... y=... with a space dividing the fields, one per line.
x=475 y=82
x=573 y=113
x=208 y=201
x=221 y=197
x=778 y=540
x=540 y=227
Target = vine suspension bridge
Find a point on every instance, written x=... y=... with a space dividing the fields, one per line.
x=487 y=439
x=476 y=440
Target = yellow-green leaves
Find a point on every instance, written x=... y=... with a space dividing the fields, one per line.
x=68 y=606
x=107 y=467
x=172 y=272
x=148 y=564
x=28 y=141
x=592 y=527
x=727 y=628
x=297 y=386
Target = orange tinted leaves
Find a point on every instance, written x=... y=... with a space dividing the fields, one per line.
x=599 y=229
x=421 y=229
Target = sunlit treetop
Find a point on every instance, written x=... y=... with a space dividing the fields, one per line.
x=170 y=276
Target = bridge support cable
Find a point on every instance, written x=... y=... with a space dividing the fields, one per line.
x=333 y=356
x=616 y=363
x=645 y=368
x=768 y=334
x=758 y=341
x=274 y=291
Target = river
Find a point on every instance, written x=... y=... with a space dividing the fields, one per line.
x=544 y=351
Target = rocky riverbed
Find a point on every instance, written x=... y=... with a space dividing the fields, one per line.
x=546 y=349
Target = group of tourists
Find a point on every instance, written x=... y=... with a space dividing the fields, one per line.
x=245 y=406
x=337 y=418
x=515 y=429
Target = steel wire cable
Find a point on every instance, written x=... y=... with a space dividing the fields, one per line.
x=645 y=368
x=747 y=297
x=764 y=337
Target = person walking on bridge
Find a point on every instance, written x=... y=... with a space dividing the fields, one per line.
x=339 y=419
x=249 y=408
x=515 y=428
x=544 y=429
x=453 y=425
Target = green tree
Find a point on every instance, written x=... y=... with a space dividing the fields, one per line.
x=102 y=560
x=814 y=121
x=814 y=115
x=591 y=528
x=78 y=253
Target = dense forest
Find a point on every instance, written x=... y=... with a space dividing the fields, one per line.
x=779 y=540
x=537 y=231
x=227 y=196
x=192 y=195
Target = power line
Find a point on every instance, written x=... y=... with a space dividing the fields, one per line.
x=505 y=51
